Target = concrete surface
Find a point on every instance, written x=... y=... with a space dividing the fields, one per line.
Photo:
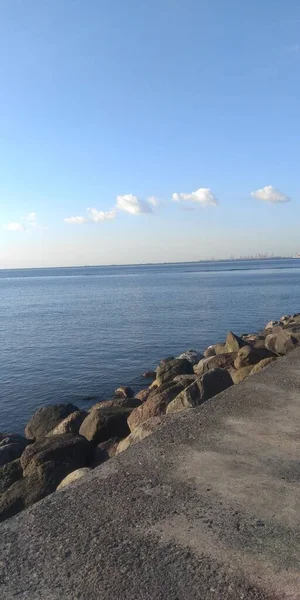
x=208 y=507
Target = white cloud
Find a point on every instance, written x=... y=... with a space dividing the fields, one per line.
x=14 y=227
x=271 y=195
x=32 y=217
x=75 y=220
x=153 y=201
x=202 y=196
x=100 y=215
x=133 y=205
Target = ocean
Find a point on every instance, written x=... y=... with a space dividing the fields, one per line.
x=76 y=334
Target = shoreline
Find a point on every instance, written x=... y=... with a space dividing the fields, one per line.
x=63 y=443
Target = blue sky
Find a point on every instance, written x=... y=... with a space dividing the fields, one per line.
x=103 y=105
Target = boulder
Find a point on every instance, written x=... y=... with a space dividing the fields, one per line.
x=234 y=342
x=209 y=352
x=220 y=361
x=105 y=451
x=208 y=385
x=11 y=447
x=124 y=392
x=10 y=473
x=142 y=395
x=149 y=375
x=219 y=348
x=74 y=476
x=185 y=379
x=47 y=418
x=192 y=356
x=271 y=324
x=156 y=405
x=241 y=374
x=116 y=403
x=262 y=364
x=64 y=453
x=140 y=432
x=101 y=425
x=70 y=424
x=281 y=342
x=248 y=355
x=170 y=369
x=24 y=492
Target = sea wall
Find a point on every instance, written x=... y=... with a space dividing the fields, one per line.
x=63 y=443
x=207 y=507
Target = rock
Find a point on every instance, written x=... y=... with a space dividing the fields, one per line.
x=285 y=318
x=116 y=403
x=208 y=385
x=192 y=356
x=149 y=375
x=63 y=453
x=249 y=355
x=124 y=392
x=209 y=352
x=101 y=425
x=241 y=374
x=142 y=395
x=70 y=424
x=219 y=348
x=172 y=368
x=281 y=342
x=271 y=324
x=220 y=361
x=47 y=418
x=185 y=379
x=11 y=447
x=105 y=451
x=10 y=473
x=262 y=364
x=45 y=464
x=140 y=432
x=156 y=405
x=234 y=342
x=74 y=476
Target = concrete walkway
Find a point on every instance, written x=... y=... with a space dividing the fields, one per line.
x=206 y=508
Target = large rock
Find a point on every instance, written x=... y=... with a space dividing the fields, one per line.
x=124 y=391
x=74 y=476
x=241 y=374
x=156 y=405
x=45 y=464
x=209 y=352
x=140 y=432
x=219 y=348
x=263 y=364
x=204 y=388
x=117 y=403
x=104 y=451
x=221 y=361
x=281 y=342
x=11 y=447
x=10 y=473
x=142 y=395
x=63 y=453
x=192 y=356
x=100 y=425
x=46 y=418
x=168 y=370
x=249 y=355
x=234 y=342
x=70 y=424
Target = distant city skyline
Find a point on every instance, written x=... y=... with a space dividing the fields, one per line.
x=148 y=132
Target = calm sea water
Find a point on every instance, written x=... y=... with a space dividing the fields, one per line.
x=76 y=334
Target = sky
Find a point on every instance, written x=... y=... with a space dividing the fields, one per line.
x=156 y=131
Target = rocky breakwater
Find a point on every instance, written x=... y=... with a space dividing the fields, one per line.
x=62 y=443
